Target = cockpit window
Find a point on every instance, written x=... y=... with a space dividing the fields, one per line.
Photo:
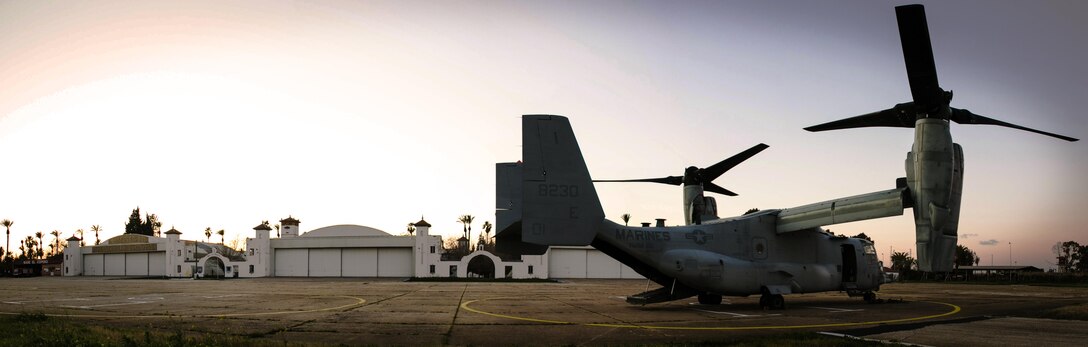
x=869 y=249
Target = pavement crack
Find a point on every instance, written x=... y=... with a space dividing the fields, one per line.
x=368 y=302
x=279 y=330
x=456 y=311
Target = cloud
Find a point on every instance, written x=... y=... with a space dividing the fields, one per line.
x=990 y=242
x=967 y=236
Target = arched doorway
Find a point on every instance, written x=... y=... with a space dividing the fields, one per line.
x=214 y=268
x=481 y=266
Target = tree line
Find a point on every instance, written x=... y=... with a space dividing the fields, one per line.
x=35 y=246
x=32 y=247
x=1071 y=256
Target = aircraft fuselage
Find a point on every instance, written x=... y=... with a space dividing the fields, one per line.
x=744 y=255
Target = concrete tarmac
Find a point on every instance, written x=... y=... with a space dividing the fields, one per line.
x=392 y=311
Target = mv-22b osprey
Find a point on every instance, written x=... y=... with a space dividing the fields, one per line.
x=550 y=200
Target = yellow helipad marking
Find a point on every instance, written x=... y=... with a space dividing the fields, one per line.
x=955 y=309
x=358 y=302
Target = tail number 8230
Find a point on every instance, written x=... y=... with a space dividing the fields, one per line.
x=557 y=190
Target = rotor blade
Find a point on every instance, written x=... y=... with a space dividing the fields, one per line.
x=899 y=116
x=711 y=187
x=710 y=173
x=966 y=117
x=673 y=180
x=918 y=55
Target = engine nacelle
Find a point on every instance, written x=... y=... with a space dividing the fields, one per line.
x=698 y=208
x=935 y=179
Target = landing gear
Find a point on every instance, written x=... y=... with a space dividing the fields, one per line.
x=870 y=297
x=710 y=299
x=772 y=301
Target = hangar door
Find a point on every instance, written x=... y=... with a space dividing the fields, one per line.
x=600 y=265
x=114 y=264
x=344 y=262
x=359 y=262
x=93 y=265
x=125 y=264
x=135 y=264
x=394 y=262
x=586 y=263
x=156 y=264
x=292 y=262
x=567 y=263
x=324 y=262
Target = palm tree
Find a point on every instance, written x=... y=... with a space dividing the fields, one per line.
x=96 y=229
x=41 y=248
x=56 y=241
x=626 y=217
x=26 y=246
x=222 y=237
x=7 y=224
x=902 y=261
x=411 y=229
x=487 y=233
x=466 y=220
x=208 y=234
x=277 y=230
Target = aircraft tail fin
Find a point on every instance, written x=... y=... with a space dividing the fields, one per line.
x=560 y=204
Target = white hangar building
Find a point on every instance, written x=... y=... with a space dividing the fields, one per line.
x=333 y=251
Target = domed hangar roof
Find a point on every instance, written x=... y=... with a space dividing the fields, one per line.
x=345 y=230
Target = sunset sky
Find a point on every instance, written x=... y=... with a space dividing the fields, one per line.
x=222 y=114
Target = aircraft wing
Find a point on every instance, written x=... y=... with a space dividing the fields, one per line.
x=874 y=205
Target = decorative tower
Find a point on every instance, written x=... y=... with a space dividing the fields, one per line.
x=175 y=254
x=427 y=251
x=422 y=227
x=289 y=227
x=259 y=255
x=73 y=258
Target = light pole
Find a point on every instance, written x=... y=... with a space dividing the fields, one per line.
x=1010 y=253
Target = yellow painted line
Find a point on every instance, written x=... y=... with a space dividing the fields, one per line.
x=955 y=309
x=358 y=302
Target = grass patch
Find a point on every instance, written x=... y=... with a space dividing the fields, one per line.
x=457 y=279
x=36 y=329
x=788 y=340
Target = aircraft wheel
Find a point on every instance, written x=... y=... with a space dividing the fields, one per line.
x=870 y=297
x=777 y=302
x=710 y=299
